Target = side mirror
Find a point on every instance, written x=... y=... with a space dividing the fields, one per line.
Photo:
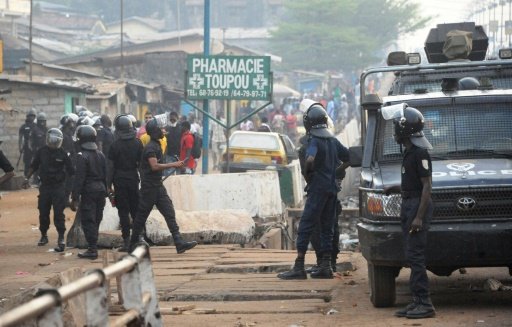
x=356 y=156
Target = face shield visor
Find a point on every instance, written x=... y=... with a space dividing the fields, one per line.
x=395 y=111
x=54 y=138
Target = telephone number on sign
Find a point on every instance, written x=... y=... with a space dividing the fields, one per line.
x=249 y=93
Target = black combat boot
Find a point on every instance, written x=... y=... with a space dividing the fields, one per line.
x=403 y=312
x=324 y=271
x=126 y=245
x=182 y=245
x=334 y=258
x=297 y=271
x=61 y=244
x=424 y=309
x=90 y=254
x=309 y=270
x=43 y=240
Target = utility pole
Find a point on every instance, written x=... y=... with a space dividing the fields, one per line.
x=30 y=40
x=206 y=120
x=122 y=41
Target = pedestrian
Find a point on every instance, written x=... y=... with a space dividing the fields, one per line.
x=323 y=154
x=416 y=210
x=124 y=159
x=153 y=192
x=68 y=127
x=24 y=139
x=173 y=131
x=52 y=163
x=217 y=139
x=142 y=130
x=264 y=127
x=38 y=138
x=186 y=144
x=89 y=188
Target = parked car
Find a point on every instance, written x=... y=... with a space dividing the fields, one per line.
x=257 y=151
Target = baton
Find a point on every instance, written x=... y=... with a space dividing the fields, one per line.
x=18 y=163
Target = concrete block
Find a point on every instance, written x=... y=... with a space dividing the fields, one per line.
x=271 y=239
x=216 y=226
x=256 y=192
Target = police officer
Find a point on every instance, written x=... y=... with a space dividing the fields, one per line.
x=323 y=154
x=6 y=166
x=416 y=210
x=153 y=192
x=124 y=158
x=52 y=163
x=38 y=137
x=68 y=127
x=89 y=188
x=24 y=139
x=105 y=136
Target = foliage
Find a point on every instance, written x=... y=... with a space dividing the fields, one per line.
x=341 y=34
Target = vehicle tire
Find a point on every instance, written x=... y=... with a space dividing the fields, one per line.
x=382 y=285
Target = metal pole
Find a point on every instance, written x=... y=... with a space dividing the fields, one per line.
x=122 y=39
x=179 y=21
x=502 y=3
x=228 y=119
x=206 y=122
x=509 y=19
x=30 y=41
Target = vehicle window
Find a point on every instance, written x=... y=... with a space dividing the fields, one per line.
x=254 y=140
x=288 y=145
x=456 y=131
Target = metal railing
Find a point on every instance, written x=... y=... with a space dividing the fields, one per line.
x=138 y=292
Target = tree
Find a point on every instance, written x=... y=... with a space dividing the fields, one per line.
x=341 y=34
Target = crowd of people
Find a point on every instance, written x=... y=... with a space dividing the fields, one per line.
x=88 y=158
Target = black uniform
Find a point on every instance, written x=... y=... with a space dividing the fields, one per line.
x=52 y=166
x=5 y=165
x=24 y=132
x=38 y=137
x=416 y=164
x=153 y=192
x=90 y=187
x=106 y=138
x=125 y=156
x=68 y=145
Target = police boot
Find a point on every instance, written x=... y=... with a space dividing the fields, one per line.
x=43 y=240
x=181 y=245
x=309 y=270
x=126 y=245
x=324 y=270
x=403 y=312
x=424 y=309
x=297 y=271
x=89 y=254
x=334 y=258
x=61 y=244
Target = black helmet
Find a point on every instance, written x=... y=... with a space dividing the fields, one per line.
x=54 y=138
x=468 y=83
x=124 y=127
x=41 y=116
x=84 y=120
x=86 y=137
x=32 y=112
x=315 y=121
x=410 y=124
x=153 y=129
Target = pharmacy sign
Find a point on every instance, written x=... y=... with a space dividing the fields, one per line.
x=228 y=77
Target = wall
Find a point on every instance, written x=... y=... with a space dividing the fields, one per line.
x=23 y=97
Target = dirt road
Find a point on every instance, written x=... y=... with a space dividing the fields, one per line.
x=461 y=300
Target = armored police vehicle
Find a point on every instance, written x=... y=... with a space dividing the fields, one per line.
x=467 y=105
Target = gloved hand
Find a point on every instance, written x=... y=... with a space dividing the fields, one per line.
x=340 y=173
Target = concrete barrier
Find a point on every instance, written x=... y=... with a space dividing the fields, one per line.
x=350 y=136
x=257 y=192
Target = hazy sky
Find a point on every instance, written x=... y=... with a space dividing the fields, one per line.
x=442 y=11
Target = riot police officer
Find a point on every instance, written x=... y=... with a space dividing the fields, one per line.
x=52 y=163
x=124 y=158
x=153 y=192
x=38 y=138
x=89 y=188
x=416 y=210
x=323 y=154
x=24 y=139
x=68 y=127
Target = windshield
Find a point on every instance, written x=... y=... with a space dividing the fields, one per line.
x=262 y=141
x=457 y=131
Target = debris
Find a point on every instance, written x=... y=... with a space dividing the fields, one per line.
x=351 y=282
x=183 y=307
x=463 y=271
x=67 y=254
x=51 y=250
x=200 y=311
x=22 y=273
x=492 y=284
x=43 y=264
x=480 y=321
x=332 y=311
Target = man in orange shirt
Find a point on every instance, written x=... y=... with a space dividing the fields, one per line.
x=187 y=142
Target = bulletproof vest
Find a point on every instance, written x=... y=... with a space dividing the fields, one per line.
x=26 y=128
x=38 y=137
x=52 y=169
x=96 y=174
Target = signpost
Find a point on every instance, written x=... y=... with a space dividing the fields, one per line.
x=228 y=78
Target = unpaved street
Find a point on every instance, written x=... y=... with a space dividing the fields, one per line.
x=246 y=280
